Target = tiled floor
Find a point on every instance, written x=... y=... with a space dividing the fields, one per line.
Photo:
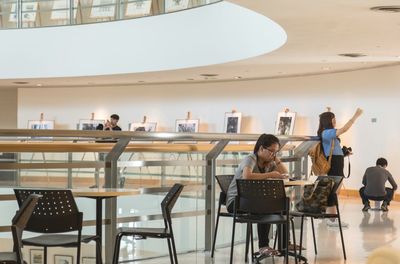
x=366 y=232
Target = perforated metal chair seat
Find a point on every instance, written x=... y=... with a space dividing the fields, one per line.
x=314 y=215
x=262 y=219
x=143 y=232
x=8 y=257
x=57 y=240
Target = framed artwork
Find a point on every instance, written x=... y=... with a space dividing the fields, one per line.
x=63 y=259
x=36 y=256
x=28 y=12
x=232 y=122
x=90 y=124
x=103 y=8
x=285 y=123
x=187 y=125
x=138 y=8
x=88 y=260
x=40 y=124
x=146 y=127
x=175 y=5
x=61 y=9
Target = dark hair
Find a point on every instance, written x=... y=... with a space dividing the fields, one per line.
x=114 y=116
x=325 y=122
x=381 y=162
x=265 y=140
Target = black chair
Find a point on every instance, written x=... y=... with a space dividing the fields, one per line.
x=332 y=201
x=142 y=233
x=55 y=215
x=223 y=181
x=262 y=202
x=19 y=222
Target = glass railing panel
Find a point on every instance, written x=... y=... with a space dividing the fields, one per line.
x=8 y=14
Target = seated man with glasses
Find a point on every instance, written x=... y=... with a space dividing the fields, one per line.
x=262 y=164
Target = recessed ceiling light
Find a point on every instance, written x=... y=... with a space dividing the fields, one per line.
x=238 y=77
x=39 y=84
x=390 y=9
x=326 y=68
x=21 y=82
x=352 y=55
x=190 y=79
x=209 y=74
x=141 y=81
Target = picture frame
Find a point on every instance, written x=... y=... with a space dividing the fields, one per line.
x=41 y=124
x=175 y=5
x=61 y=9
x=90 y=124
x=145 y=127
x=88 y=260
x=63 y=259
x=102 y=8
x=36 y=256
x=138 y=8
x=232 y=122
x=285 y=123
x=187 y=125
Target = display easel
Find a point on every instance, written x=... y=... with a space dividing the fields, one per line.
x=41 y=120
x=188 y=155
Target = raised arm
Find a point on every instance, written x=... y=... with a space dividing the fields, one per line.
x=349 y=123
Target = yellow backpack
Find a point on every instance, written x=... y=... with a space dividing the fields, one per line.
x=320 y=165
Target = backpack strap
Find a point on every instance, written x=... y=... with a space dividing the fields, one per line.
x=331 y=151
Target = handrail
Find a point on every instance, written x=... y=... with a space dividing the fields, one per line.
x=26 y=134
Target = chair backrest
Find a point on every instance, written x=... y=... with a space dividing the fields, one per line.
x=19 y=222
x=261 y=196
x=55 y=212
x=335 y=189
x=169 y=201
x=224 y=181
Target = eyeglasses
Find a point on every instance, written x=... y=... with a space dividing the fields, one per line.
x=273 y=153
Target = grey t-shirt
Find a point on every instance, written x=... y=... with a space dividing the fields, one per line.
x=374 y=181
x=251 y=162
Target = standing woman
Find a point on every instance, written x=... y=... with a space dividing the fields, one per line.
x=261 y=164
x=328 y=133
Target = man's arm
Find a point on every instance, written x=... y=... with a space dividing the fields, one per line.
x=391 y=180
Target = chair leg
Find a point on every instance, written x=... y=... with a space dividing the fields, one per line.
x=233 y=241
x=341 y=237
x=252 y=240
x=287 y=243
x=215 y=232
x=116 y=248
x=170 y=250
x=98 y=252
x=294 y=240
x=174 y=248
x=301 y=234
x=45 y=255
x=313 y=234
x=275 y=238
x=78 y=254
x=246 y=255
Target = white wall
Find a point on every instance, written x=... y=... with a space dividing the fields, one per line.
x=8 y=108
x=376 y=91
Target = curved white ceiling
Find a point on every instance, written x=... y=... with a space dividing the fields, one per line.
x=212 y=34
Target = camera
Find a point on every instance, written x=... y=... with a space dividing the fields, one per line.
x=346 y=151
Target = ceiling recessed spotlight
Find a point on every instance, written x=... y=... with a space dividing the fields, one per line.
x=39 y=84
x=20 y=82
x=325 y=68
x=352 y=55
x=141 y=81
x=209 y=74
x=190 y=79
x=390 y=9
x=238 y=77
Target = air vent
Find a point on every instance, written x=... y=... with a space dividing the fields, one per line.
x=390 y=9
x=352 y=55
x=208 y=74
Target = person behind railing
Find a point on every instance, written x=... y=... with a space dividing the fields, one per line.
x=374 y=181
x=262 y=164
x=111 y=124
x=328 y=132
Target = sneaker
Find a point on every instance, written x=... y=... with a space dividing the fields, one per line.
x=335 y=223
x=366 y=208
x=384 y=207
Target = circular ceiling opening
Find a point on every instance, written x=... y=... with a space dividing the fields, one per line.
x=390 y=9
